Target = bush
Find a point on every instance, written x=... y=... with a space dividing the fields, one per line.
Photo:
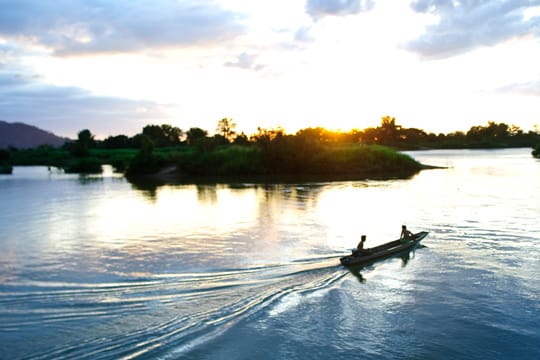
x=84 y=166
x=361 y=159
x=78 y=149
x=239 y=160
x=6 y=169
x=333 y=160
x=536 y=151
x=145 y=164
x=119 y=165
x=5 y=162
x=5 y=156
x=225 y=160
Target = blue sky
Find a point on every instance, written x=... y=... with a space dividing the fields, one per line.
x=115 y=66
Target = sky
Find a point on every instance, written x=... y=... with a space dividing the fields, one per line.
x=115 y=66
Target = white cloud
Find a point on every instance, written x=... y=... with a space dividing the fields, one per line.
x=462 y=26
x=67 y=110
x=330 y=63
x=79 y=26
x=246 y=61
x=320 y=8
x=304 y=35
x=531 y=88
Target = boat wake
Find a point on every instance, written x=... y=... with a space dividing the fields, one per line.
x=164 y=315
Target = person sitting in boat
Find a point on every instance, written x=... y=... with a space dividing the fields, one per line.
x=360 y=247
x=406 y=235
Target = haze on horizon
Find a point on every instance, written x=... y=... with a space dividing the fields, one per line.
x=115 y=66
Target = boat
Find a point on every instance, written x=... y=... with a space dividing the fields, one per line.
x=368 y=256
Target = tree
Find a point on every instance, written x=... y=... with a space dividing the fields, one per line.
x=163 y=135
x=389 y=131
x=490 y=134
x=241 y=139
x=226 y=128
x=86 y=137
x=116 y=142
x=264 y=136
x=515 y=130
x=145 y=162
x=85 y=140
x=412 y=136
x=316 y=135
x=218 y=140
x=194 y=134
x=172 y=134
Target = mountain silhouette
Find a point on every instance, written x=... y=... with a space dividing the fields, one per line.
x=23 y=136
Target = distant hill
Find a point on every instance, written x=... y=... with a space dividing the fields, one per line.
x=23 y=136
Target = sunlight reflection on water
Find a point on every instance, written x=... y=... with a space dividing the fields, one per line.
x=96 y=266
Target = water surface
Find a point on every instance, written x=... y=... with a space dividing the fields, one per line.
x=93 y=267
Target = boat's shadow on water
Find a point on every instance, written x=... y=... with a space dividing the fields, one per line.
x=405 y=257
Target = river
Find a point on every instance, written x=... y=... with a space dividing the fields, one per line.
x=96 y=268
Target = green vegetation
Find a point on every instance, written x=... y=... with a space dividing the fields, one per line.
x=536 y=150
x=492 y=135
x=87 y=165
x=5 y=163
x=145 y=162
x=362 y=159
x=269 y=152
x=330 y=159
x=223 y=160
x=80 y=147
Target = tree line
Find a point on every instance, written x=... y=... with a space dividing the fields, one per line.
x=268 y=151
x=388 y=133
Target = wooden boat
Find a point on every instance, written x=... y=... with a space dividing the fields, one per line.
x=373 y=254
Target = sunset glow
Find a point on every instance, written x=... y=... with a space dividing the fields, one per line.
x=295 y=64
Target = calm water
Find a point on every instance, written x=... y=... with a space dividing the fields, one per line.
x=94 y=268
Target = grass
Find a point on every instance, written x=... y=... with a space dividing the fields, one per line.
x=234 y=160
x=362 y=159
x=351 y=159
x=223 y=161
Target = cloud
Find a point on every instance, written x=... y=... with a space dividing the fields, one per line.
x=10 y=52
x=67 y=110
x=304 y=34
x=246 y=61
x=531 y=88
x=80 y=26
x=463 y=26
x=320 y=8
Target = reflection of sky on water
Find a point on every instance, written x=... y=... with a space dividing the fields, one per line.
x=97 y=257
x=94 y=225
